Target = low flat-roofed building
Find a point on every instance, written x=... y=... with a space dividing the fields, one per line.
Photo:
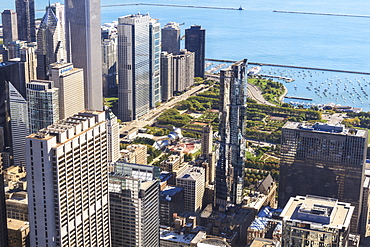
x=17 y=205
x=18 y=233
x=170 y=238
x=262 y=242
x=171 y=200
x=316 y=221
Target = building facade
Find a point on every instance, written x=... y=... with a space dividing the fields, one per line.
x=316 y=221
x=325 y=160
x=154 y=63
x=229 y=169
x=50 y=44
x=84 y=47
x=68 y=182
x=195 y=41
x=183 y=70
x=109 y=64
x=70 y=83
x=171 y=38
x=26 y=20
x=19 y=125
x=166 y=76
x=112 y=137
x=10 y=27
x=43 y=104
x=135 y=66
x=3 y=219
x=134 y=205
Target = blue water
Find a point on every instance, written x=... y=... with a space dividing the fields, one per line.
x=259 y=34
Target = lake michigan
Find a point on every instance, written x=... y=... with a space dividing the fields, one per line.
x=261 y=35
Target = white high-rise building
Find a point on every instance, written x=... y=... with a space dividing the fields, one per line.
x=68 y=182
x=112 y=137
x=43 y=104
x=19 y=124
x=70 y=82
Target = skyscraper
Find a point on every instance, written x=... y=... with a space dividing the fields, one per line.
x=154 y=63
x=134 y=205
x=43 y=104
x=68 y=182
x=50 y=44
x=10 y=28
x=324 y=160
x=26 y=20
x=195 y=41
x=229 y=170
x=171 y=38
x=112 y=137
x=69 y=81
x=19 y=124
x=183 y=71
x=166 y=75
x=133 y=66
x=82 y=26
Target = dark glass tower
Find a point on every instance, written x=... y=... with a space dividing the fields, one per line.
x=323 y=160
x=10 y=28
x=171 y=38
x=195 y=41
x=3 y=221
x=26 y=20
x=230 y=166
x=84 y=46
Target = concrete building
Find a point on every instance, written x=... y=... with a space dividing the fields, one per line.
x=135 y=153
x=316 y=221
x=10 y=27
x=134 y=205
x=166 y=76
x=112 y=137
x=82 y=20
x=325 y=160
x=172 y=163
x=195 y=41
x=43 y=104
x=3 y=219
x=26 y=20
x=193 y=182
x=19 y=125
x=207 y=140
x=138 y=66
x=364 y=227
x=154 y=63
x=29 y=61
x=171 y=38
x=17 y=204
x=18 y=231
x=171 y=200
x=183 y=71
x=230 y=165
x=68 y=188
x=50 y=44
x=70 y=82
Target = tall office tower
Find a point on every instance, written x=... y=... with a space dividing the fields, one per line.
x=26 y=20
x=112 y=137
x=207 y=140
x=58 y=10
x=10 y=28
x=50 y=44
x=19 y=124
x=195 y=41
x=316 y=221
x=109 y=65
x=325 y=160
x=4 y=53
x=3 y=219
x=43 y=104
x=68 y=182
x=193 y=181
x=229 y=169
x=29 y=61
x=83 y=46
x=183 y=70
x=133 y=66
x=134 y=205
x=69 y=81
x=171 y=38
x=166 y=76
x=154 y=63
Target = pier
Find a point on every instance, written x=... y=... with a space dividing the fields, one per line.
x=301 y=98
x=291 y=66
x=314 y=13
x=172 y=5
x=287 y=79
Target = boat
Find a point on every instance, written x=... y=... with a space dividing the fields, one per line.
x=240 y=8
x=254 y=70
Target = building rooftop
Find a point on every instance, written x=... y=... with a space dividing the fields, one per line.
x=14 y=224
x=170 y=191
x=191 y=173
x=262 y=242
x=338 y=129
x=322 y=211
x=168 y=235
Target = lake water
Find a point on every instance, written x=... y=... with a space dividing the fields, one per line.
x=261 y=35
